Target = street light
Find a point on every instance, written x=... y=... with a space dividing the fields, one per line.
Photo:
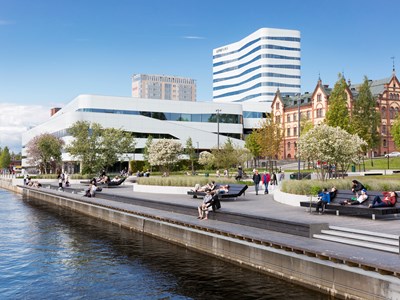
x=298 y=136
x=198 y=153
x=218 y=111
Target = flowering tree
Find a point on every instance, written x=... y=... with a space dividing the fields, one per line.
x=164 y=153
x=331 y=146
x=44 y=152
x=206 y=159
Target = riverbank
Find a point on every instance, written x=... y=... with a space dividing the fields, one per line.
x=325 y=266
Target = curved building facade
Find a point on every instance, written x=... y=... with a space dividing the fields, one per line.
x=254 y=68
x=206 y=123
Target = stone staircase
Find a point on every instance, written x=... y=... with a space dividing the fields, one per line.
x=361 y=238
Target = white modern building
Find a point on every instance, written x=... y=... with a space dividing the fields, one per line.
x=207 y=123
x=165 y=87
x=251 y=70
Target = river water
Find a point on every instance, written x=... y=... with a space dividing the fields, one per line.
x=49 y=253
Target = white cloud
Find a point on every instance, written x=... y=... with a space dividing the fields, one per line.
x=16 y=119
x=5 y=22
x=193 y=37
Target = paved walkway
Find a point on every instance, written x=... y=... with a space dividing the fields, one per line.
x=265 y=206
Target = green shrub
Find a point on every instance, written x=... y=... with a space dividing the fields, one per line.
x=188 y=181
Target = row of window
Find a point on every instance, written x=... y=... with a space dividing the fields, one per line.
x=256 y=68
x=253 y=51
x=255 y=59
x=256 y=96
x=393 y=113
x=276 y=38
x=206 y=118
x=276 y=84
x=268 y=74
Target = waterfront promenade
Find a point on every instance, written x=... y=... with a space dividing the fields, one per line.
x=328 y=266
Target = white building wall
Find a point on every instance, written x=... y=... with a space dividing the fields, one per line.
x=240 y=75
x=204 y=135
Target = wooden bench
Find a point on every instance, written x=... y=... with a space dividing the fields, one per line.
x=235 y=190
x=361 y=209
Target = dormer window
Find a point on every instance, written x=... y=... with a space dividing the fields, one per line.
x=319 y=97
x=277 y=105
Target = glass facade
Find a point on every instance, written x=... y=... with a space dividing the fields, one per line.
x=183 y=117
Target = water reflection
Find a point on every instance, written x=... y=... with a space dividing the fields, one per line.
x=51 y=253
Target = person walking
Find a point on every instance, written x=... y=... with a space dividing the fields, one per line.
x=256 y=180
x=265 y=180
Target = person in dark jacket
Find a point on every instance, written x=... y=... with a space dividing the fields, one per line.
x=256 y=180
x=357 y=186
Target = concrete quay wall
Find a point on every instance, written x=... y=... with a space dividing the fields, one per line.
x=337 y=279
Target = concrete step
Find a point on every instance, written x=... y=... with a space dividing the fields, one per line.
x=365 y=232
x=362 y=237
x=358 y=243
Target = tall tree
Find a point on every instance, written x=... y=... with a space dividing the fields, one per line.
x=269 y=136
x=164 y=153
x=5 y=158
x=330 y=145
x=253 y=146
x=338 y=112
x=226 y=156
x=191 y=152
x=44 y=151
x=365 y=118
x=396 y=131
x=86 y=146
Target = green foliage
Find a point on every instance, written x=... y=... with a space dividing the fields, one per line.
x=5 y=158
x=96 y=147
x=252 y=145
x=338 y=113
x=188 y=181
x=191 y=152
x=44 y=152
x=365 y=118
x=269 y=136
x=309 y=187
x=396 y=131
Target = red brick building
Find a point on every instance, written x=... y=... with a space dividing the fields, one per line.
x=313 y=107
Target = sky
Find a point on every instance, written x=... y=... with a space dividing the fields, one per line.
x=52 y=51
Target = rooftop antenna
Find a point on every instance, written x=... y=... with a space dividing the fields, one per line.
x=394 y=70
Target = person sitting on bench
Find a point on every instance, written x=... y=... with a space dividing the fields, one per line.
x=223 y=189
x=389 y=199
x=324 y=198
x=203 y=208
x=333 y=193
x=357 y=186
x=359 y=199
x=209 y=186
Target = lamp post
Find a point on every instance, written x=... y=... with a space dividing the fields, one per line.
x=218 y=111
x=198 y=153
x=298 y=136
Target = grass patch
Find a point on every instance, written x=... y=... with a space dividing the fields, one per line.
x=311 y=187
x=188 y=181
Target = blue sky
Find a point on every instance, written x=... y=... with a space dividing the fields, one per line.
x=52 y=51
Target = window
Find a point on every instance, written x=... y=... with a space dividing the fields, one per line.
x=391 y=113
x=384 y=143
x=308 y=115
x=295 y=131
x=288 y=132
x=384 y=129
x=277 y=105
x=294 y=117
x=319 y=97
x=383 y=112
x=288 y=145
x=319 y=113
x=278 y=119
x=288 y=118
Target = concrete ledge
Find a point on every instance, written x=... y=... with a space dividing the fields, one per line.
x=160 y=189
x=304 y=268
x=289 y=199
